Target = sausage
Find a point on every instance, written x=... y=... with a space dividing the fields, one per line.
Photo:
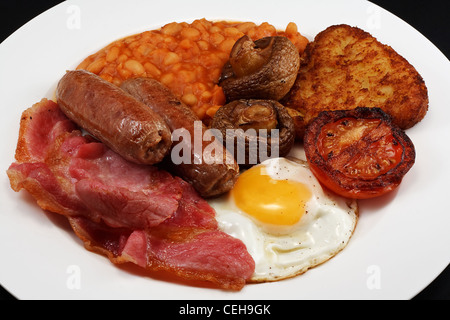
x=114 y=117
x=209 y=179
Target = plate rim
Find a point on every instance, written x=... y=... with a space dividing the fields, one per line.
x=48 y=12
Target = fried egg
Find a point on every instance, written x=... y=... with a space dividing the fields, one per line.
x=288 y=222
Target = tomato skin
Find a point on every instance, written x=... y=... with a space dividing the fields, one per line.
x=352 y=193
x=358 y=153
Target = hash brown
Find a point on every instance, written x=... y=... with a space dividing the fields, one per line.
x=346 y=67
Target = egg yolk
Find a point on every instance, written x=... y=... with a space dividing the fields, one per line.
x=277 y=202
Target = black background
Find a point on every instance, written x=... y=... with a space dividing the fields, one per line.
x=428 y=17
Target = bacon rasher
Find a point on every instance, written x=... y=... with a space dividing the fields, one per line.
x=127 y=212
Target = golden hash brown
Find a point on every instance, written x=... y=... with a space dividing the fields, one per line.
x=345 y=67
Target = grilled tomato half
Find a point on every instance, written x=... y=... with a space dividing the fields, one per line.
x=358 y=153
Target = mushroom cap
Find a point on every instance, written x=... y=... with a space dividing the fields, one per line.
x=264 y=69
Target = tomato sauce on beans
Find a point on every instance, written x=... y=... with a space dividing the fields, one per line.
x=186 y=57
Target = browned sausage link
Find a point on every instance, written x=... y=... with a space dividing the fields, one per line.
x=114 y=117
x=208 y=179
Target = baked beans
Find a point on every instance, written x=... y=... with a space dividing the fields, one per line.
x=186 y=57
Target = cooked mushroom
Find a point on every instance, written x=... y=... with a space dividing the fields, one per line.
x=299 y=124
x=254 y=130
x=264 y=69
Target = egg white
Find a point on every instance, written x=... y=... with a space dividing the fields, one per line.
x=285 y=251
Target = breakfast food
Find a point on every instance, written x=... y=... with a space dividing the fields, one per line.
x=185 y=57
x=345 y=67
x=209 y=176
x=358 y=153
x=124 y=124
x=255 y=129
x=128 y=212
x=75 y=175
x=287 y=220
x=128 y=196
x=264 y=69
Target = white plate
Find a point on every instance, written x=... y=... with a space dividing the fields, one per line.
x=401 y=242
